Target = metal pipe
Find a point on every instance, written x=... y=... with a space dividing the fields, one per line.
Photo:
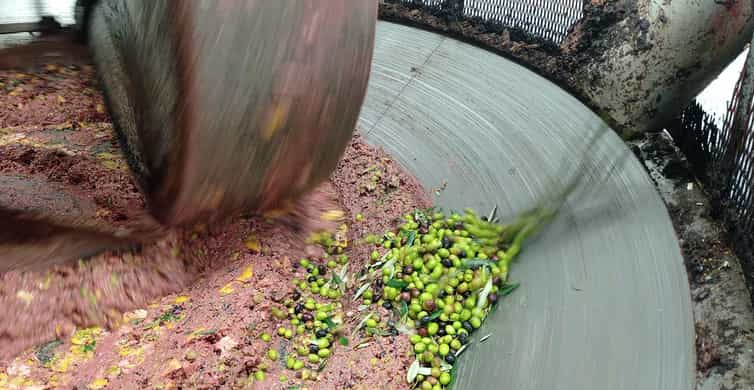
x=640 y=62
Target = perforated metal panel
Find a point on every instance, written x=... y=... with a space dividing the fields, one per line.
x=547 y=19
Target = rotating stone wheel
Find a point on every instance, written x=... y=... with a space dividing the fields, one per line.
x=213 y=107
x=241 y=105
x=604 y=300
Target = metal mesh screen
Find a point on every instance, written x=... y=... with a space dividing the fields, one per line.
x=546 y=19
x=722 y=159
x=734 y=157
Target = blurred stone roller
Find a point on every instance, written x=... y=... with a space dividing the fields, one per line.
x=219 y=107
x=233 y=105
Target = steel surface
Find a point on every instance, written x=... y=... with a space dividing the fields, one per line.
x=604 y=301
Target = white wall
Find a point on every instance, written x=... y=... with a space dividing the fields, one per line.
x=27 y=10
x=715 y=97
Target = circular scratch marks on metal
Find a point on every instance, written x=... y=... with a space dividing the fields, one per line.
x=604 y=301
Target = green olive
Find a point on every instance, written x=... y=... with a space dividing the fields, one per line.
x=444 y=379
x=432 y=328
x=475 y=322
x=425 y=296
x=272 y=354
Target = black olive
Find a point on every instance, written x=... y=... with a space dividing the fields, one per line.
x=424 y=321
x=450 y=358
x=313 y=348
x=296 y=296
x=320 y=333
x=467 y=325
x=447 y=263
x=497 y=281
x=492 y=298
x=441 y=331
x=446 y=242
x=306 y=317
x=298 y=308
x=463 y=338
x=462 y=254
x=311 y=279
x=442 y=294
x=322 y=269
x=387 y=305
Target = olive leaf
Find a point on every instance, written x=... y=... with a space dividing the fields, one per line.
x=491 y=217
x=482 y=301
x=413 y=371
x=435 y=315
x=471 y=263
x=402 y=328
x=403 y=309
x=361 y=291
x=363 y=321
x=411 y=238
x=329 y=322
x=397 y=284
x=508 y=288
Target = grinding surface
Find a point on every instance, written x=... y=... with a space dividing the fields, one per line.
x=604 y=301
